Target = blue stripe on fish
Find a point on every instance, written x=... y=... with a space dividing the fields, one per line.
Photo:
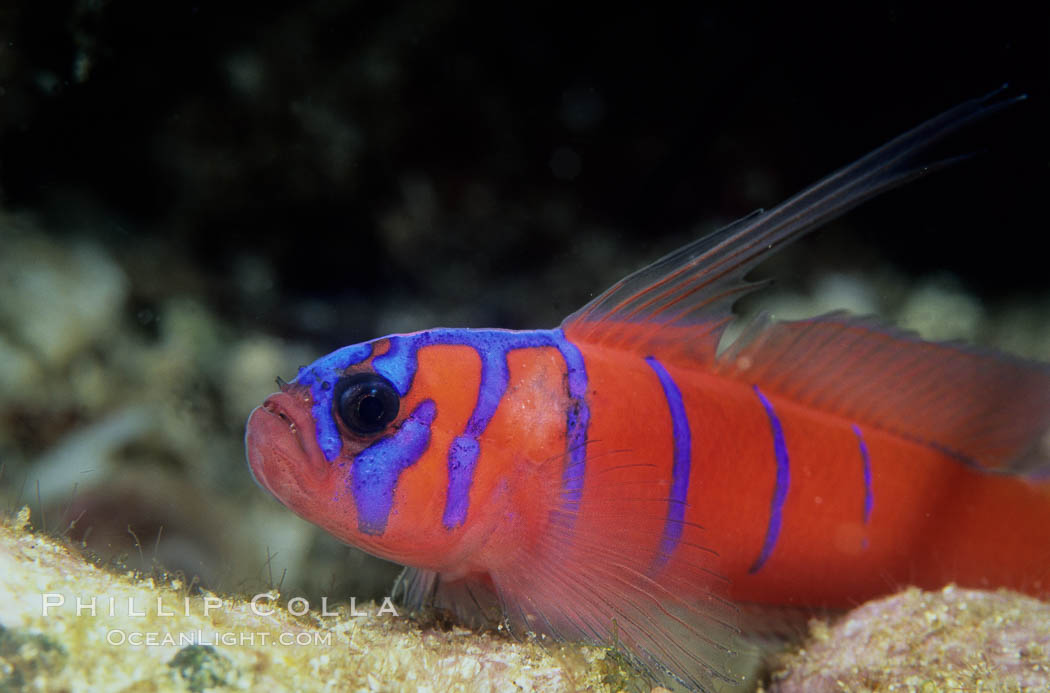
x=464 y=451
x=462 y=459
x=780 y=490
x=683 y=446
x=576 y=422
x=400 y=363
x=377 y=468
x=321 y=376
x=869 y=497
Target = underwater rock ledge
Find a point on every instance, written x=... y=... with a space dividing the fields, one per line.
x=232 y=647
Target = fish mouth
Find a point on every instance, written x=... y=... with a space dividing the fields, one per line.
x=275 y=407
x=280 y=446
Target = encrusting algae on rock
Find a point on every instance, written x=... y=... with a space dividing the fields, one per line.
x=152 y=635
x=950 y=640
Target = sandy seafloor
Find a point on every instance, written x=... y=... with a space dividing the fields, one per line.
x=195 y=201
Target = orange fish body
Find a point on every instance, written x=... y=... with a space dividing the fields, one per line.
x=846 y=512
x=622 y=479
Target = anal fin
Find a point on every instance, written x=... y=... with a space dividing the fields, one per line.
x=575 y=585
x=591 y=575
x=472 y=600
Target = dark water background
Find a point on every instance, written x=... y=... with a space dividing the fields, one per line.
x=306 y=177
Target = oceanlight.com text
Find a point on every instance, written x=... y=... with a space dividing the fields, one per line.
x=120 y=637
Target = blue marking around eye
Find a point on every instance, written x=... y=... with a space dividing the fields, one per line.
x=321 y=376
x=683 y=446
x=377 y=469
x=400 y=363
x=869 y=496
x=780 y=490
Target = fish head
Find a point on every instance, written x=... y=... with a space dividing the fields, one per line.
x=347 y=446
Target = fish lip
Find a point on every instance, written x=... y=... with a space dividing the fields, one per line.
x=278 y=406
x=283 y=412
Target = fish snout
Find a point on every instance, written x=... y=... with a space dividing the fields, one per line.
x=282 y=450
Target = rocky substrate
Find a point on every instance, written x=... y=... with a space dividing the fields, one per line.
x=154 y=635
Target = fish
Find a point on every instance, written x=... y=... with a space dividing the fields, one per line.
x=626 y=479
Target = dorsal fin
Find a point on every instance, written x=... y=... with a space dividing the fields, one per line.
x=986 y=409
x=696 y=285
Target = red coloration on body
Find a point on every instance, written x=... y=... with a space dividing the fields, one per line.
x=935 y=519
x=955 y=441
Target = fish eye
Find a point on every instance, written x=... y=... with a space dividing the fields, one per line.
x=366 y=402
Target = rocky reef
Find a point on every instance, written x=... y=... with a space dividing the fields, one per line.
x=951 y=640
x=66 y=625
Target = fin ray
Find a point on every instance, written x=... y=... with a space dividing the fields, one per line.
x=574 y=585
x=982 y=407
x=696 y=285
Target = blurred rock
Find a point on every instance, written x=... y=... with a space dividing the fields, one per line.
x=58 y=297
x=19 y=371
x=939 y=310
x=1021 y=327
x=955 y=639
